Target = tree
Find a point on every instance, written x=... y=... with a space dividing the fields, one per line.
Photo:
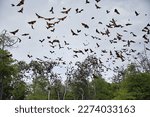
x=134 y=86
x=79 y=77
x=11 y=84
x=20 y=89
x=57 y=90
x=38 y=89
x=9 y=79
x=100 y=89
x=42 y=79
x=143 y=64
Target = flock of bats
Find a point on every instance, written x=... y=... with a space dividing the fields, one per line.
x=121 y=54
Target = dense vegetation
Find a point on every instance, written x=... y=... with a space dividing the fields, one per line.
x=84 y=82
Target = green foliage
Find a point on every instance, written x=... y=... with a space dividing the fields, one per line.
x=123 y=94
x=101 y=89
x=38 y=89
x=80 y=89
x=57 y=90
x=19 y=90
x=11 y=86
x=135 y=86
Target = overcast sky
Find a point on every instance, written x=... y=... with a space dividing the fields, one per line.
x=11 y=20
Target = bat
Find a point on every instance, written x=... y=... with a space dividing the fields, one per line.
x=75 y=56
x=107 y=11
x=51 y=10
x=116 y=11
x=32 y=22
x=66 y=12
x=136 y=13
x=66 y=43
x=20 y=3
x=73 y=33
x=12 y=5
x=39 y=16
x=42 y=40
x=29 y=56
x=49 y=19
x=85 y=25
x=87 y=2
x=25 y=34
x=97 y=1
x=62 y=19
x=97 y=7
x=14 y=32
x=79 y=11
x=56 y=41
x=52 y=52
x=21 y=10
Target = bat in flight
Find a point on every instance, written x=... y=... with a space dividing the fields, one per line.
x=73 y=33
x=21 y=10
x=116 y=11
x=20 y=3
x=32 y=23
x=14 y=32
x=85 y=25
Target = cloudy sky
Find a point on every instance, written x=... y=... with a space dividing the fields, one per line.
x=87 y=38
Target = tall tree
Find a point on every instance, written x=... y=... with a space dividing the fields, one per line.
x=79 y=81
x=42 y=78
x=8 y=73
